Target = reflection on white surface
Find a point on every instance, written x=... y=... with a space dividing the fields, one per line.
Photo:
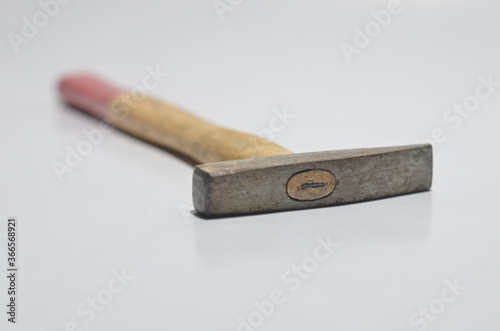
x=233 y=239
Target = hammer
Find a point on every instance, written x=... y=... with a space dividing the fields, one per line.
x=240 y=173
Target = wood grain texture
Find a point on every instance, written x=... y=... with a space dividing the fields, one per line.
x=260 y=185
x=167 y=125
x=311 y=185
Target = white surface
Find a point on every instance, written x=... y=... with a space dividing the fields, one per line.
x=125 y=205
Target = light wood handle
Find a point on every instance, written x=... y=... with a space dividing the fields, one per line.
x=164 y=124
x=168 y=125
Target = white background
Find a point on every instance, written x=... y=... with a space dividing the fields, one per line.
x=127 y=206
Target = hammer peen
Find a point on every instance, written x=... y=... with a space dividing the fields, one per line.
x=241 y=173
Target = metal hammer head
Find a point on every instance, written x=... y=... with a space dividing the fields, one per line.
x=308 y=180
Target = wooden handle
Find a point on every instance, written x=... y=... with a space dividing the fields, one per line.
x=164 y=124
x=172 y=127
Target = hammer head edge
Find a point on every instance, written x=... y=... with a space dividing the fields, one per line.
x=263 y=184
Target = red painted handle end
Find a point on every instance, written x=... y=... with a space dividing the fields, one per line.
x=88 y=93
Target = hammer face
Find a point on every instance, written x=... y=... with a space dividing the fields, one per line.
x=308 y=180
